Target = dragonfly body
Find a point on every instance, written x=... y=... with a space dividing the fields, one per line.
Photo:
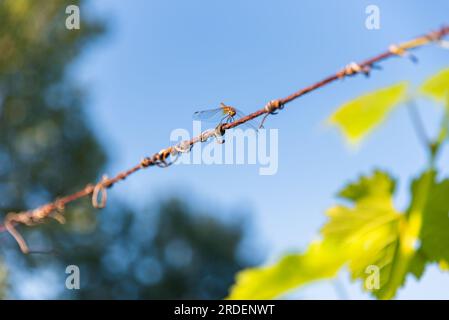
x=228 y=110
x=223 y=114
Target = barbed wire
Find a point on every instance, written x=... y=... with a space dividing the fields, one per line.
x=168 y=156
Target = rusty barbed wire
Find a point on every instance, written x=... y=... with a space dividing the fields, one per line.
x=168 y=156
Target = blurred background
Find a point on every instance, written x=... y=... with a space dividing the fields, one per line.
x=76 y=104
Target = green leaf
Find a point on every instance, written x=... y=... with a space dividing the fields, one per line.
x=418 y=264
x=367 y=233
x=405 y=259
x=320 y=261
x=360 y=116
x=359 y=236
x=369 y=229
x=437 y=86
x=379 y=184
x=435 y=224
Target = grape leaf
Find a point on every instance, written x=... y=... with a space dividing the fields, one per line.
x=320 y=261
x=418 y=264
x=369 y=229
x=369 y=232
x=379 y=184
x=360 y=116
x=437 y=86
x=435 y=224
x=363 y=235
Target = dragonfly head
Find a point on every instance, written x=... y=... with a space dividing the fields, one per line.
x=232 y=112
x=228 y=110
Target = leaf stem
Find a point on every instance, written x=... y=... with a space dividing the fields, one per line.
x=418 y=124
x=441 y=137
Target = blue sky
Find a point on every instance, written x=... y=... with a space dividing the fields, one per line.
x=163 y=60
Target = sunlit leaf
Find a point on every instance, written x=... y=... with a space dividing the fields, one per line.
x=360 y=236
x=369 y=229
x=358 y=117
x=444 y=265
x=406 y=258
x=379 y=184
x=320 y=261
x=418 y=264
x=437 y=86
x=435 y=224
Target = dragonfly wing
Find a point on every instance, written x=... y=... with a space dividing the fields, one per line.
x=212 y=115
x=251 y=124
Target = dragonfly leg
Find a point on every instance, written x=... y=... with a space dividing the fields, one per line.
x=225 y=119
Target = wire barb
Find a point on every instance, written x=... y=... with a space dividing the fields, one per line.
x=183 y=147
x=204 y=136
x=271 y=107
x=402 y=52
x=145 y=162
x=100 y=190
x=219 y=133
x=352 y=69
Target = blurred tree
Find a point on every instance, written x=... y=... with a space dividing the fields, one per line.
x=47 y=150
x=43 y=131
x=3 y=281
x=167 y=251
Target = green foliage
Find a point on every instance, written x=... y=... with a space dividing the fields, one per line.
x=437 y=86
x=3 y=280
x=358 y=117
x=368 y=231
x=43 y=132
x=47 y=148
x=379 y=185
x=363 y=234
x=435 y=224
x=320 y=261
x=167 y=251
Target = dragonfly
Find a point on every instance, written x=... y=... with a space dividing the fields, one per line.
x=223 y=114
